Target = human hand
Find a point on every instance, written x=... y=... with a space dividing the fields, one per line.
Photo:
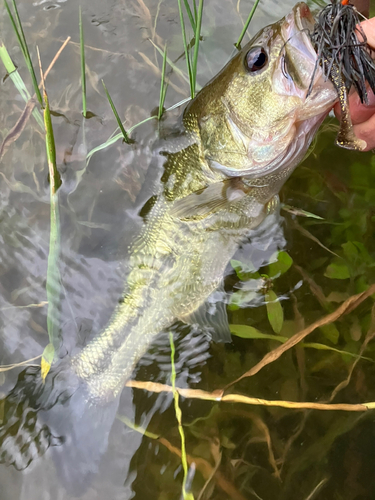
x=363 y=116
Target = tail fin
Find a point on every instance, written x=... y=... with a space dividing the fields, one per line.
x=56 y=414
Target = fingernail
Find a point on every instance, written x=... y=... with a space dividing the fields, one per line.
x=370 y=98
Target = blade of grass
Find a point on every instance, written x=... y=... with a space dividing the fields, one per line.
x=196 y=46
x=300 y=211
x=172 y=65
x=205 y=468
x=83 y=63
x=195 y=9
x=18 y=82
x=163 y=85
x=190 y=15
x=178 y=104
x=53 y=286
x=185 y=494
x=174 y=106
x=13 y=73
x=248 y=21
x=118 y=119
x=186 y=50
x=114 y=138
x=15 y=29
x=17 y=26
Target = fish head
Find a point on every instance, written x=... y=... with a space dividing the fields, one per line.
x=260 y=113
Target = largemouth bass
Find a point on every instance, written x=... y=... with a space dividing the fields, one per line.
x=244 y=133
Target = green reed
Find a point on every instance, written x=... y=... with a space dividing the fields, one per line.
x=186 y=495
x=186 y=49
x=190 y=15
x=246 y=25
x=118 y=119
x=18 y=82
x=114 y=138
x=196 y=26
x=17 y=26
x=175 y=68
x=83 y=63
x=196 y=46
x=163 y=85
x=195 y=9
x=53 y=281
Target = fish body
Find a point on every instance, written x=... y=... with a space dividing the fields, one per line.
x=243 y=135
x=241 y=138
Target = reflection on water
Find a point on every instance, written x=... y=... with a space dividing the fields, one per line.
x=60 y=446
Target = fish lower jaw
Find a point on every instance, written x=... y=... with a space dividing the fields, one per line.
x=321 y=100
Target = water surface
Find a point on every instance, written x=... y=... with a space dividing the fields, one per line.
x=239 y=451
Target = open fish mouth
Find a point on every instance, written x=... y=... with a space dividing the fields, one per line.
x=298 y=56
x=298 y=73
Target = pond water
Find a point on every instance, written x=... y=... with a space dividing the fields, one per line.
x=234 y=450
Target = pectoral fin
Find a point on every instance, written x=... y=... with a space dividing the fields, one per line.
x=210 y=199
x=212 y=318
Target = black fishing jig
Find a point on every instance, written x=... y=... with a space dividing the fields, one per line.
x=340 y=41
x=346 y=60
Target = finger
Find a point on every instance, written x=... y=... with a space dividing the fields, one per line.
x=361 y=112
x=358 y=111
x=369 y=29
x=365 y=131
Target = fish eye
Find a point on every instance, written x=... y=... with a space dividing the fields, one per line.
x=256 y=59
